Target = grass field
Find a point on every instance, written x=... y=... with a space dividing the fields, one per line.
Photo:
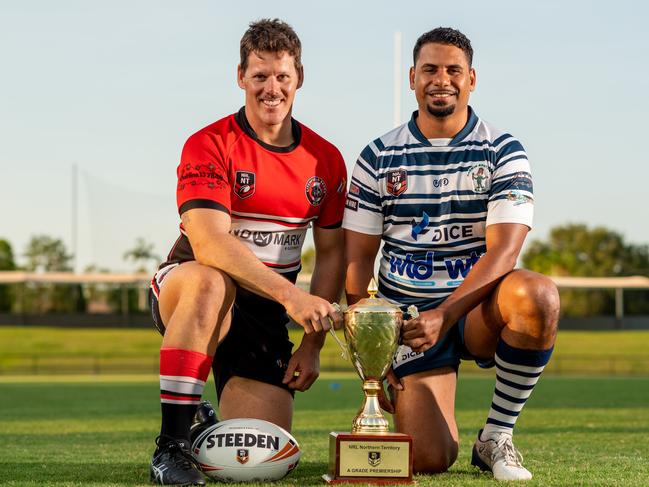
x=40 y=350
x=62 y=430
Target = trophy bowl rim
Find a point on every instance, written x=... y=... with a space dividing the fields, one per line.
x=350 y=312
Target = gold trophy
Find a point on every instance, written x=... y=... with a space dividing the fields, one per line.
x=370 y=453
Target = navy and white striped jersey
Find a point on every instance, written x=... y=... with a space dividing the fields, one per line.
x=431 y=200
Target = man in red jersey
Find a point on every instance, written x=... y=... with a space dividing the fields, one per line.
x=249 y=186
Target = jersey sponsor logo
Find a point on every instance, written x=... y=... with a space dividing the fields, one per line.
x=519 y=198
x=457 y=267
x=244 y=184
x=438 y=183
x=354 y=189
x=242 y=456
x=315 y=190
x=453 y=283
x=404 y=355
x=446 y=233
x=341 y=185
x=200 y=175
x=396 y=182
x=264 y=239
x=351 y=204
x=419 y=270
x=419 y=227
x=480 y=177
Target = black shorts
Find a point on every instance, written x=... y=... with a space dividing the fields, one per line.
x=256 y=347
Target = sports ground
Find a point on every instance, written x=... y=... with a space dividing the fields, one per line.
x=586 y=429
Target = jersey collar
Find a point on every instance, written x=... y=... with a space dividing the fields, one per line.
x=466 y=130
x=242 y=121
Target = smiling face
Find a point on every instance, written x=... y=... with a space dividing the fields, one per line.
x=270 y=81
x=442 y=81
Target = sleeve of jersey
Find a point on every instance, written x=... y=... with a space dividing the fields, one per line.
x=202 y=176
x=331 y=215
x=363 y=210
x=511 y=197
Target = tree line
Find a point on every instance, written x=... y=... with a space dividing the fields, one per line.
x=44 y=253
x=569 y=250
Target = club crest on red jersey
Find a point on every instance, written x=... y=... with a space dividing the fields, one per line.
x=315 y=190
x=244 y=184
x=242 y=456
x=396 y=182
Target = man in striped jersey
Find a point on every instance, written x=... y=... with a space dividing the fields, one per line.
x=450 y=196
x=249 y=187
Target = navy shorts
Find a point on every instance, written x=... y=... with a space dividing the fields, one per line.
x=256 y=347
x=447 y=352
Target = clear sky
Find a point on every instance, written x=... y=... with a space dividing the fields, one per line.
x=116 y=88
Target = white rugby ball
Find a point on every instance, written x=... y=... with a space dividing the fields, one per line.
x=245 y=450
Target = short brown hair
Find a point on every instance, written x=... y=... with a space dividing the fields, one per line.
x=270 y=35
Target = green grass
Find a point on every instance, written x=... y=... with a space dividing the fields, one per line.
x=41 y=350
x=82 y=431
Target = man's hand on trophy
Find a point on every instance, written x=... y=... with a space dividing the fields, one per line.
x=303 y=368
x=312 y=312
x=423 y=332
x=387 y=401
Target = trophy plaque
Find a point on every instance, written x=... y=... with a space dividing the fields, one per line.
x=370 y=453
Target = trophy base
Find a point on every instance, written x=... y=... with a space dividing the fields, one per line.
x=369 y=459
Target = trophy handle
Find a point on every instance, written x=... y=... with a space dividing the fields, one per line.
x=413 y=311
x=343 y=354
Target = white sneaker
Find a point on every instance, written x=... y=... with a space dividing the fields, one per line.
x=498 y=455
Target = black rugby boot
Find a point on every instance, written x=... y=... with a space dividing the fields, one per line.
x=204 y=418
x=173 y=464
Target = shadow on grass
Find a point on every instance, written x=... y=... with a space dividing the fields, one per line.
x=37 y=473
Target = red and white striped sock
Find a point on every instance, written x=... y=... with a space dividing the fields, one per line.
x=182 y=378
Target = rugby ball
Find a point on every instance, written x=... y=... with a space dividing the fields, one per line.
x=245 y=450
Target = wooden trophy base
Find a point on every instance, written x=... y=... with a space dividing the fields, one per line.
x=369 y=459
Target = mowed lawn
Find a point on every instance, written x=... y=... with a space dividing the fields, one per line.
x=47 y=350
x=57 y=431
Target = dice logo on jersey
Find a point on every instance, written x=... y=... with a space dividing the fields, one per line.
x=315 y=190
x=396 y=182
x=419 y=227
x=480 y=177
x=242 y=456
x=244 y=184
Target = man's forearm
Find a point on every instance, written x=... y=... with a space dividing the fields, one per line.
x=359 y=274
x=227 y=254
x=481 y=280
x=326 y=282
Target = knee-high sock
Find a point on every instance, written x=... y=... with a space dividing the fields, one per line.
x=182 y=378
x=517 y=372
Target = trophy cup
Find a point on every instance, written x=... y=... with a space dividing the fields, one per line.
x=370 y=453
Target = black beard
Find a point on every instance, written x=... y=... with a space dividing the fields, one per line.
x=440 y=112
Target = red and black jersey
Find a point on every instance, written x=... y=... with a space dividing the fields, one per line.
x=273 y=194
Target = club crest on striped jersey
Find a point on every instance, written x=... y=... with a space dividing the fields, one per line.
x=243 y=455
x=315 y=190
x=480 y=177
x=244 y=184
x=396 y=182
